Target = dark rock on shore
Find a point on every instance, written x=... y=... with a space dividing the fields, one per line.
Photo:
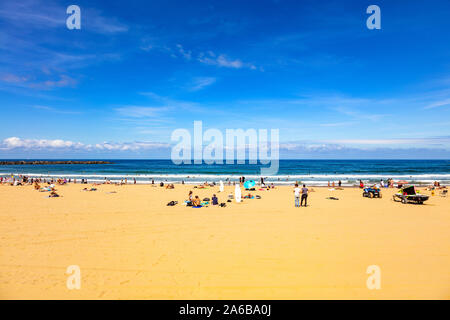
x=40 y=162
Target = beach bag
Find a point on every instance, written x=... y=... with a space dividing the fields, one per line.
x=258 y=197
x=223 y=205
x=206 y=199
x=172 y=203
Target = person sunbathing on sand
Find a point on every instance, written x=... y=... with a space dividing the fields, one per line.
x=53 y=194
x=36 y=186
x=196 y=202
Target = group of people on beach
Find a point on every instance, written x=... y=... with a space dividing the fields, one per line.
x=194 y=201
x=25 y=180
x=300 y=193
x=304 y=195
x=389 y=183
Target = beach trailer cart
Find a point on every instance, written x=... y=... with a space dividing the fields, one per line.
x=409 y=195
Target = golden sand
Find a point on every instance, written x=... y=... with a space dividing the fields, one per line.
x=130 y=245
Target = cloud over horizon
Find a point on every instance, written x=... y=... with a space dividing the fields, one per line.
x=290 y=150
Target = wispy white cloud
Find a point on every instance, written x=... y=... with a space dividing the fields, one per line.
x=168 y=103
x=359 y=115
x=63 y=81
x=187 y=54
x=337 y=124
x=60 y=81
x=395 y=141
x=34 y=53
x=54 y=110
x=141 y=111
x=200 y=83
x=98 y=23
x=335 y=144
x=442 y=103
x=222 y=60
x=128 y=146
x=380 y=149
x=46 y=144
x=46 y=15
x=15 y=142
x=13 y=78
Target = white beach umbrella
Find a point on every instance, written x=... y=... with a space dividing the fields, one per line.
x=221 y=186
x=237 y=193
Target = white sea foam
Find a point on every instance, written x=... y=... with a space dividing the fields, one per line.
x=312 y=179
x=225 y=176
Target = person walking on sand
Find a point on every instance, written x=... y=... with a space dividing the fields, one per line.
x=304 y=195
x=297 y=195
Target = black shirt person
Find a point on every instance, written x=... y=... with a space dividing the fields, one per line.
x=304 y=195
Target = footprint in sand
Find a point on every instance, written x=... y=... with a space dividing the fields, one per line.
x=159 y=260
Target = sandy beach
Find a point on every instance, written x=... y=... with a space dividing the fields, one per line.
x=130 y=245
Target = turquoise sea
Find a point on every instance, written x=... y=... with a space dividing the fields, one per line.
x=312 y=172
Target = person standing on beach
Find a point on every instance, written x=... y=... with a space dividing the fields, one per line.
x=297 y=195
x=304 y=195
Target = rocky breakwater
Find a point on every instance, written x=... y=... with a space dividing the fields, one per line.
x=47 y=162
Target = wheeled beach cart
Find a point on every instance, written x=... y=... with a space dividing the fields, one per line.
x=409 y=195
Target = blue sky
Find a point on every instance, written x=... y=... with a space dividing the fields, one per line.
x=137 y=70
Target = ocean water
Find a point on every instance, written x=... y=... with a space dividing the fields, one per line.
x=311 y=172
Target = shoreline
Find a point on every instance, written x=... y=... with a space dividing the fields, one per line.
x=197 y=179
